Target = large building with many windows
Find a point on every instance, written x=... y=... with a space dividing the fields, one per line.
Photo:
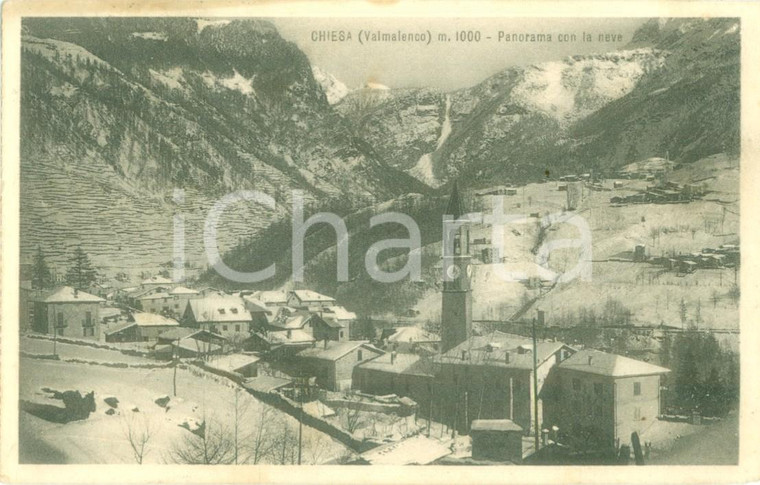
x=601 y=397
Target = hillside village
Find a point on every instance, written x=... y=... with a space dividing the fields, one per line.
x=635 y=361
x=373 y=387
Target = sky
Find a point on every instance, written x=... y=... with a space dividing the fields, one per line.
x=446 y=65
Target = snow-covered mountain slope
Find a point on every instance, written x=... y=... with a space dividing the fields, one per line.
x=578 y=113
x=128 y=110
x=332 y=87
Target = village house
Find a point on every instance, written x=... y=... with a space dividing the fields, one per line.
x=403 y=374
x=180 y=295
x=156 y=282
x=340 y=320
x=606 y=397
x=332 y=363
x=143 y=327
x=410 y=339
x=260 y=312
x=280 y=343
x=131 y=296
x=186 y=342
x=158 y=302
x=68 y=312
x=271 y=299
x=223 y=315
x=491 y=377
x=241 y=364
x=310 y=300
x=332 y=325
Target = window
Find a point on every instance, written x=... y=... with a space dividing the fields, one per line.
x=176 y=305
x=359 y=355
x=576 y=384
x=341 y=334
x=237 y=328
x=60 y=331
x=88 y=319
x=637 y=414
x=224 y=328
x=234 y=310
x=221 y=311
x=637 y=389
x=88 y=331
x=59 y=322
x=598 y=388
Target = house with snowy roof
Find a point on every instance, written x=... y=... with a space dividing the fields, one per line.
x=604 y=396
x=68 y=312
x=491 y=376
x=271 y=299
x=409 y=339
x=142 y=327
x=156 y=281
x=308 y=299
x=223 y=315
x=335 y=323
x=332 y=363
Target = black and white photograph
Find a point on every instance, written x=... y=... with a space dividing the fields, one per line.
x=313 y=240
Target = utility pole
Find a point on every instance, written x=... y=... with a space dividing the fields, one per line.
x=300 y=431
x=175 y=352
x=237 y=424
x=535 y=386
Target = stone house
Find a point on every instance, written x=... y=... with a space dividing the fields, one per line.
x=68 y=313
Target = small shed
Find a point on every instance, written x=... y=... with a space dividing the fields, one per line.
x=496 y=440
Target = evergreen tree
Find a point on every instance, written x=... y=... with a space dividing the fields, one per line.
x=40 y=271
x=687 y=379
x=80 y=274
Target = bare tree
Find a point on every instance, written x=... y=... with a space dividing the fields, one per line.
x=285 y=446
x=352 y=419
x=138 y=432
x=212 y=444
x=315 y=448
x=262 y=439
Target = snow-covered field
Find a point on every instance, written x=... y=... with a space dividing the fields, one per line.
x=653 y=296
x=102 y=438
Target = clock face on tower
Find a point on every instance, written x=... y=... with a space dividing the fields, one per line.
x=453 y=272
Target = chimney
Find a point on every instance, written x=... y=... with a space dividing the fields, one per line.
x=506 y=357
x=464 y=355
x=325 y=343
x=590 y=359
x=76 y=293
x=290 y=333
x=393 y=357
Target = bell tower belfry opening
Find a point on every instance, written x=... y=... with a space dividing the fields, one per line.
x=456 y=311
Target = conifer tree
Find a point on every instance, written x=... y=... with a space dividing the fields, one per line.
x=40 y=271
x=80 y=274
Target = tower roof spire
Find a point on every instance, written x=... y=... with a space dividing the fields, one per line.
x=455 y=207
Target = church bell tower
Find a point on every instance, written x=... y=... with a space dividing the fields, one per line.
x=456 y=311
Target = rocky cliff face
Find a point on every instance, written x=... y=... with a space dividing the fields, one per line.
x=580 y=113
x=118 y=113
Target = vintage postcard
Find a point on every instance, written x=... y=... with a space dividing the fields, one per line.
x=261 y=242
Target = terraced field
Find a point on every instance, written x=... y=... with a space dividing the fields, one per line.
x=122 y=227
